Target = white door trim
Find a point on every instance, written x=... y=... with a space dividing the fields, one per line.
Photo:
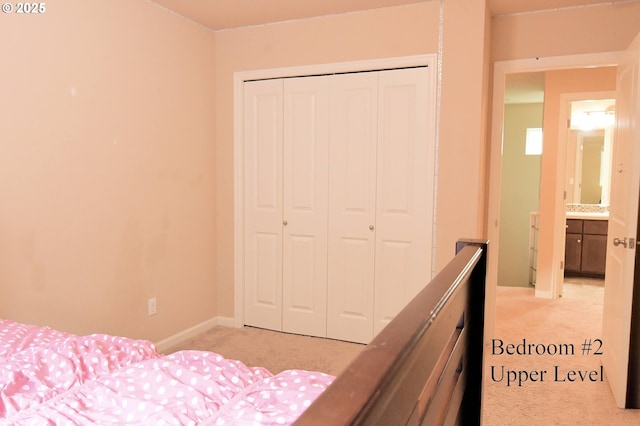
x=239 y=78
x=501 y=69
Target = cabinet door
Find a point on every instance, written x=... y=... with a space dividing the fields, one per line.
x=572 y=253
x=305 y=183
x=594 y=253
x=352 y=185
x=263 y=203
x=404 y=199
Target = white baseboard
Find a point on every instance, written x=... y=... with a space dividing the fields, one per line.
x=228 y=322
x=548 y=294
x=190 y=332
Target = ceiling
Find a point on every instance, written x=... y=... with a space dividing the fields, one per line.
x=225 y=14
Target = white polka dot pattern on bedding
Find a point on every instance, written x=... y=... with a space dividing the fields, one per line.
x=278 y=400
x=50 y=377
x=38 y=363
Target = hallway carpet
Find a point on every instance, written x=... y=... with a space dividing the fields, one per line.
x=557 y=329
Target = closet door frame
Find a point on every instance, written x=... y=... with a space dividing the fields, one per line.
x=239 y=78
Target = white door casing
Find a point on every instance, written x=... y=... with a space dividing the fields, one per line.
x=623 y=214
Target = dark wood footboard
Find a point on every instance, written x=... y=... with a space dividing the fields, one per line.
x=425 y=367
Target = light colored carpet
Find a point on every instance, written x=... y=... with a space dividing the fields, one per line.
x=275 y=351
x=519 y=315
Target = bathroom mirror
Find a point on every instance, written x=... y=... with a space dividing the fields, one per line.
x=589 y=146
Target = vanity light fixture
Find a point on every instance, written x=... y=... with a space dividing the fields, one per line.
x=590 y=120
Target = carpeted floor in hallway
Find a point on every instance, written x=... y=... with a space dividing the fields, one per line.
x=558 y=327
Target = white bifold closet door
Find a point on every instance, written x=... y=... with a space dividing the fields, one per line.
x=286 y=188
x=263 y=130
x=338 y=199
x=352 y=211
x=304 y=259
x=381 y=193
x=404 y=196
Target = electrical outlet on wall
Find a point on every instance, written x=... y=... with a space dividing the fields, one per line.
x=152 y=306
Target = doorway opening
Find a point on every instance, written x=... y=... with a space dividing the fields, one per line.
x=520 y=182
x=545 y=100
x=589 y=143
x=554 y=202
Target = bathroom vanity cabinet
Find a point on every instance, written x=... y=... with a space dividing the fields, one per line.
x=585 y=248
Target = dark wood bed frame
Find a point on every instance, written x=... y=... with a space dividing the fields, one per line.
x=425 y=366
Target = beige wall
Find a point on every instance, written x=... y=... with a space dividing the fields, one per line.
x=107 y=176
x=116 y=154
x=462 y=184
x=571 y=31
x=520 y=193
x=123 y=190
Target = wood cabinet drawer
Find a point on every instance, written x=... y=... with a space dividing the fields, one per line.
x=574 y=226
x=595 y=227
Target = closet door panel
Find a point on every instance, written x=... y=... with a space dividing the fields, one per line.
x=404 y=190
x=393 y=274
x=352 y=183
x=306 y=114
x=263 y=203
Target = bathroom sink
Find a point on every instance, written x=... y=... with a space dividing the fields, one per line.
x=588 y=215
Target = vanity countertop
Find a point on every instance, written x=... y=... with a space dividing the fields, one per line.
x=588 y=215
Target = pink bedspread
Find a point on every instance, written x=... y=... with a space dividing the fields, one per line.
x=50 y=377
